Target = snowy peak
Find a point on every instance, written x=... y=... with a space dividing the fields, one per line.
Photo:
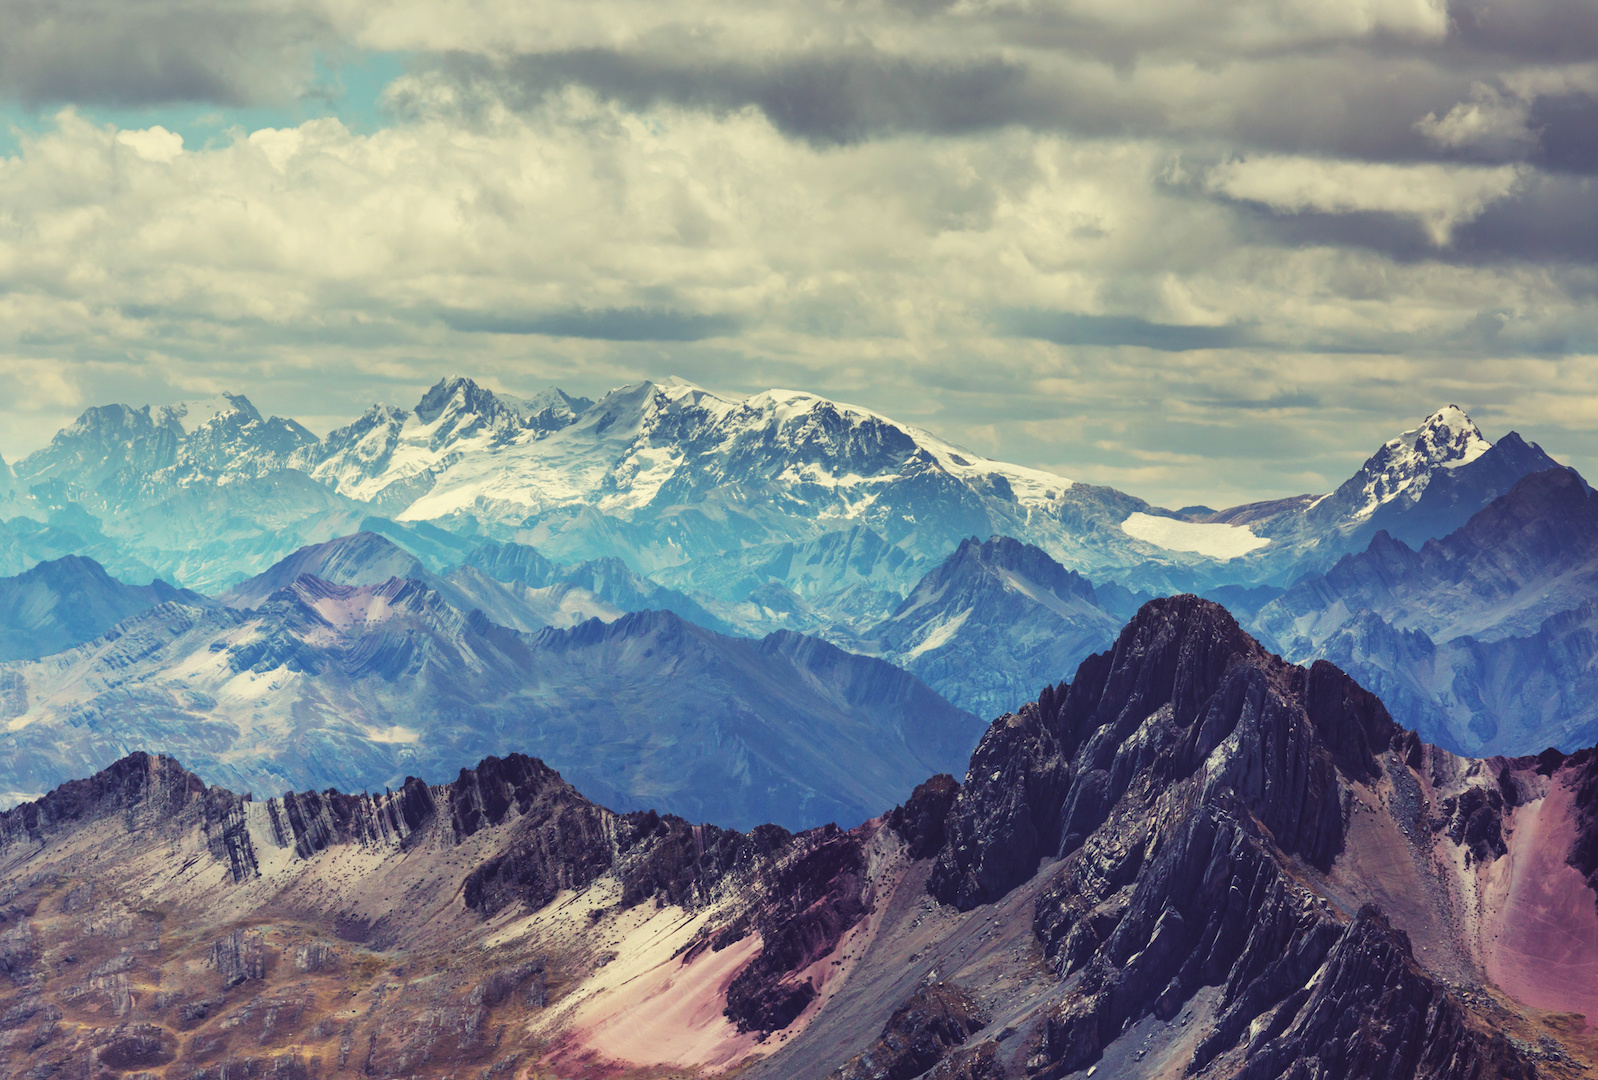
x=186 y=416
x=1403 y=467
x=457 y=409
x=1447 y=437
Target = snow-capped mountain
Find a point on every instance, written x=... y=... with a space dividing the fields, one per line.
x=780 y=509
x=1424 y=483
x=1483 y=638
x=113 y=453
x=390 y=456
x=661 y=474
x=323 y=684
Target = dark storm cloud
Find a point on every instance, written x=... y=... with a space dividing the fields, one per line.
x=105 y=52
x=1567 y=132
x=1539 y=31
x=822 y=98
x=1066 y=328
x=1342 y=101
x=1550 y=219
x=600 y=324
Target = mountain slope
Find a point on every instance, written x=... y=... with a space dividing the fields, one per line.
x=67 y=601
x=1530 y=554
x=609 y=580
x=1482 y=639
x=366 y=558
x=1148 y=873
x=994 y=622
x=1424 y=483
x=355 y=686
x=665 y=474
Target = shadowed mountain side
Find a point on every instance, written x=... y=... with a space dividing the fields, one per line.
x=68 y=601
x=1194 y=860
x=608 y=579
x=355 y=686
x=1481 y=640
x=995 y=621
x=366 y=558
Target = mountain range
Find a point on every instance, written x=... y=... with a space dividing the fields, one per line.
x=779 y=510
x=1192 y=859
x=350 y=665
x=657 y=478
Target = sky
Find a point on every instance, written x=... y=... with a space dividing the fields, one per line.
x=1205 y=251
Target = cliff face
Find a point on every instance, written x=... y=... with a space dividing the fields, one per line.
x=1193 y=859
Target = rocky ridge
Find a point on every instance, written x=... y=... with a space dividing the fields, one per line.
x=1193 y=859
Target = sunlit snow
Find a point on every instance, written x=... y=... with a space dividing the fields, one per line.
x=1216 y=540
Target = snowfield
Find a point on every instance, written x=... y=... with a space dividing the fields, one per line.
x=1215 y=540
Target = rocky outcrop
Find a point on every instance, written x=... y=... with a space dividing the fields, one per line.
x=313 y=821
x=1584 y=784
x=148 y=792
x=934 y=1021
x=1181 y=679
x=919 y=821
x=807 y=901
x=1187 y=780
x=1371 y=1013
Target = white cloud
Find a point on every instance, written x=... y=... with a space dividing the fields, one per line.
x=1440 y=197
x=153 y=144
x=1489 y=119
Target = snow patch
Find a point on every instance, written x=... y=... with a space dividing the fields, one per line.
x=1218 y=541
x=939 y=636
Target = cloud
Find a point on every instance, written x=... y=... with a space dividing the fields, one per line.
x=1067 y=328
x=1490 y=120
x=1277 y=224
x=112 y=52
x=608 y=324
x=1439 y=197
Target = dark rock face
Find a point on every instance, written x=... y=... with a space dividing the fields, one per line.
x=1584 y=853
x=667 y=858
x=238 y=958
x=149 y=792
x=920 y=1032
x=1181 y=678
x=1474 y=820
x=1374 y=1014
x=1187 y=780
x=808 y=900
x=919 y=821
x=562 y=839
